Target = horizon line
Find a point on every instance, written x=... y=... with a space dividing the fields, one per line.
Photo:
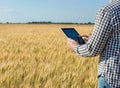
x=46 y=22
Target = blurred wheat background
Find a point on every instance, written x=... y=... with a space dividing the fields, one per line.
x=36 y=56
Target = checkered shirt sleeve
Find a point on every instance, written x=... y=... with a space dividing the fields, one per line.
x=100 y=35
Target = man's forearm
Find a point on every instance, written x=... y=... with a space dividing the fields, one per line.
x=83 y=50
x=100 y=35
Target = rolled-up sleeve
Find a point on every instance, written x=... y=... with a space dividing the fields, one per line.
x=101 y=33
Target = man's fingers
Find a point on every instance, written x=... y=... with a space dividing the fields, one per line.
x=84 y=35
x=71 y=40
x=86 y=39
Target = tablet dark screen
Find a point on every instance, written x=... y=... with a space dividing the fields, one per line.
x=70 y=33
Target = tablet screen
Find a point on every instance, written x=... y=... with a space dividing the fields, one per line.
x=73 y=34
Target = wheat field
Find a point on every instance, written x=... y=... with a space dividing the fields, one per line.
x=36 y=56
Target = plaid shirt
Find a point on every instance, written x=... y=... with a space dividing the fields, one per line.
x=105 y=41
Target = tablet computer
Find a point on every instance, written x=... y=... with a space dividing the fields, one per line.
x=73 y=34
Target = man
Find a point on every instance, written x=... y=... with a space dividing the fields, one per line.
x=104 y=41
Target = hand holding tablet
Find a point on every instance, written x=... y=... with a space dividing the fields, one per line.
x=73 y=34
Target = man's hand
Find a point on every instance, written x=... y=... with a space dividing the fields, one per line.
x=71 y=43
x=86 y=37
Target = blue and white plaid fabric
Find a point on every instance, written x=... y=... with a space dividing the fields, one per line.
x=105 y=41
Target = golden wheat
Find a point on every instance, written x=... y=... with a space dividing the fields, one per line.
x=36 y=56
